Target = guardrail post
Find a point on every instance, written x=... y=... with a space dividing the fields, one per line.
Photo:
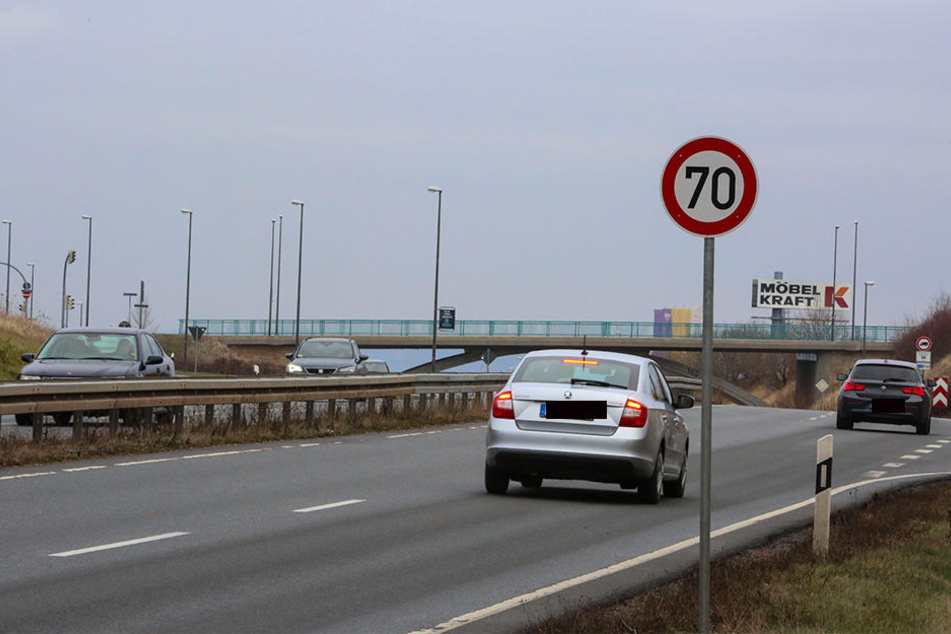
x=309 y=420
x=178 y=421
x=285 y=415
x=262 y=413
x=77 y=425
x=209 y=415
x=236 y=421
x=113 y=422
x=407 y=403
x=37 y=426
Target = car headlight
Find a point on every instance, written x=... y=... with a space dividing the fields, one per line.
x=349 y=369
x=29 y=377
x=293 y=368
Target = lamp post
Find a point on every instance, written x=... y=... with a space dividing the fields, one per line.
x=63 y=313
x=130 y=296
x=188 y=284
x=865 y=316
x=835 y=261
x=9 y=225
x=32 y=290
x=277 y=298
x=855 y=261
x=438 y=192
x=270 y=280
x=88 y=264
x=300 y=260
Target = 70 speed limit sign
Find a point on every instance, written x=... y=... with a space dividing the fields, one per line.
x=709 y=186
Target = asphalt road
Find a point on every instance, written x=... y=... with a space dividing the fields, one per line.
x=393 y=532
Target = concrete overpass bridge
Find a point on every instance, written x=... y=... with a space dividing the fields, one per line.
x=815 y=345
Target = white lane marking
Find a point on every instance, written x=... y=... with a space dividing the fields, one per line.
x=218 y=454
x=405 y=435
x=131 y=542
x=215 y=454
x=28 y=475
x=508 y=604
x=332 y=505
x=78 y=469
x=874 y=474
x=136 y=463
x=935 y=446
x=309 y=444
x=910 y=457
x=893 y=465
x=925 y=451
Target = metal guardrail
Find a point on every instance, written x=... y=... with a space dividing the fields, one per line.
x=528 y=328
x=47 y=397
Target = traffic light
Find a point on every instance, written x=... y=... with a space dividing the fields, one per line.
x=70 y=302
x=71 y=257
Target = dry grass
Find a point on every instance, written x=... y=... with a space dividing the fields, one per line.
x=889 y=570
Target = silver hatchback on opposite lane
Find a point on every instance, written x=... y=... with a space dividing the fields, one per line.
x=588 y=415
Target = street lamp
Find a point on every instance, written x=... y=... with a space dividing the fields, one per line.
x=835 y=261
x=9 y=225
x=88 y=264
x=855 y=261
x=277 y=298
x=865 y=316
x=130 y=296
x=438 y=192
x=270 y=280
x=188 y=284
x=300 y=260
x=32 y=290
x=70 y=258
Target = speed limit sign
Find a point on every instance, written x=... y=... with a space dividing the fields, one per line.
x=709 y=186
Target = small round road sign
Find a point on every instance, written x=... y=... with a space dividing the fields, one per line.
x=923 y=343
x=709 y=186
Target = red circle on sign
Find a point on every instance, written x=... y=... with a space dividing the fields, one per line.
x=923 y=343
x=681 y=216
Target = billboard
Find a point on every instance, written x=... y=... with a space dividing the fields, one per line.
x=802 y=295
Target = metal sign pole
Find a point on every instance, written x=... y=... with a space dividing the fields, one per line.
x=706 y=440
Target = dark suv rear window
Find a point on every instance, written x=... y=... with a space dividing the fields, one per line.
x=884 y=373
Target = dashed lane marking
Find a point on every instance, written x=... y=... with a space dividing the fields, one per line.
x=332 y=505
x=114 y=545
x=28 y=475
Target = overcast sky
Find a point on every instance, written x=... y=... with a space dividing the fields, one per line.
x=547 y=124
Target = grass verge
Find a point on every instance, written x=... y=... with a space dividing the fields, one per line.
x=889 y=570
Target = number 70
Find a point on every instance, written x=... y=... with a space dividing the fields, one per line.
x=715 y=186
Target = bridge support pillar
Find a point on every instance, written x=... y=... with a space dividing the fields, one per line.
x=810 y=368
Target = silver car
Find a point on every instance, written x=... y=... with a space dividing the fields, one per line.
x=588 y=415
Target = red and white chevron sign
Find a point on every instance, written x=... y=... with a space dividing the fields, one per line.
x=940 y=397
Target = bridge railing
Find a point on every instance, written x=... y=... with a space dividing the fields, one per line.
x=530 y=328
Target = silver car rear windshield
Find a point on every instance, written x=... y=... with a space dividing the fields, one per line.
x=326 y=349
x=70 y=345
x=560 y=369
x=884 y=373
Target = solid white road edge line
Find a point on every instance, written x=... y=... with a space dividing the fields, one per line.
x=131 y=542
x=332 y=505
x=508 y=604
